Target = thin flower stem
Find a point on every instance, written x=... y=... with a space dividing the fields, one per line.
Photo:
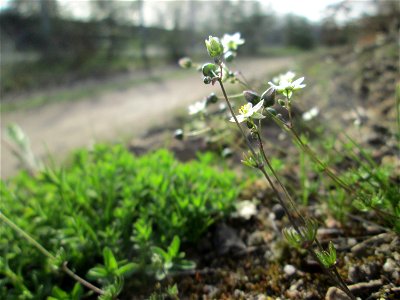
x=232 y=96
x=326 y=169
x=253 y=152
x=198 y=132
x=346 y=289
x=259 y=165
x=245 y=81
x=277 y=177
x=46 y=253
x=81 y=280
x=26 y=236
x=311 y=153
x=335 y=276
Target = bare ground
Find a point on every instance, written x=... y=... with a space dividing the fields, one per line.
x=58 y=128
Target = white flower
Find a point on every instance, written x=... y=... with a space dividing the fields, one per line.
x=231 y=42
x=285 y=85
x=288 y=85
x=311 y=114
x=197 y=107
x=288 y=76
x=248 y=111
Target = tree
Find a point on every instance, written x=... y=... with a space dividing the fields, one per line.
x=298 y=32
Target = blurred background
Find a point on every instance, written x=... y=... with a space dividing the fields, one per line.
x=74 y=72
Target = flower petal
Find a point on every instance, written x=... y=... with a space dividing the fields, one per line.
x=258 y=106
x=298 y=81
x=240 y=119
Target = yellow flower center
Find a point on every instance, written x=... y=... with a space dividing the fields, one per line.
x=244 y=109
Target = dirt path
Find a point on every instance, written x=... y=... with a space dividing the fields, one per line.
x=60 y=127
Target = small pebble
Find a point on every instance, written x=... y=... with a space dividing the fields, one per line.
x=278 y=211
x=336 y=294
x=289 y=270
x=238 y=294
x=372 y=270
x=293 y=294
x=256 y=238
x=389 y=265
x=351 y=242
x=356 y=274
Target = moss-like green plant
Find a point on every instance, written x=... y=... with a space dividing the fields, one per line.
x=109 y=211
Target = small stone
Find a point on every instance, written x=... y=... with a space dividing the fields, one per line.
x=238 y=294
x=289 y=270
x=246 y=209
x=278 y=211
x=356 y=274
x=365 y=288
x=336 y=294
x=351 y=242
x=389 y=266
x=211 y=290
x=256 y=238
x=372 y=270
x=293 y=294
x=226 y=240
x=396 y=276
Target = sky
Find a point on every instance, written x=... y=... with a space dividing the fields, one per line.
x=312 y=9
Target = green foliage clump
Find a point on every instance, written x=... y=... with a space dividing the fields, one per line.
x=137 y=210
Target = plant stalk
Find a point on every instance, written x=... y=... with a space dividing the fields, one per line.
x=46 y=253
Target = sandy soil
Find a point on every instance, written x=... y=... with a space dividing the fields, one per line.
x=58 y=128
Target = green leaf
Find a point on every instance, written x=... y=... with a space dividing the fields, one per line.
x=185 y=264
x=98 y=272
x=77 y=291
x=173 y=249
x=58 y=294
x=127 y=269
x=109 y=259
x=161 y=253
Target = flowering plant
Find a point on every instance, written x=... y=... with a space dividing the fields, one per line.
x=302 y=232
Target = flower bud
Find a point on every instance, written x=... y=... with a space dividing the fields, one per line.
x=251 y=97
x=212 y=98
x=269 y=97
x=249 y=125
x=229 y=56
x=281 y=102
x=214 y=46
x=271 y=111
x=178 y=134
x=185 y=62
x=209 y=70
x=207 y=80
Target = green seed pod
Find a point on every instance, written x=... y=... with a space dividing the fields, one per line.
x=209 y=69
x=212 y=98
x=207 y=80
x=271 y=111
x=249 y=125
x=269 y=97
x=251 y=97
x=178 y=134
x=281 y=102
